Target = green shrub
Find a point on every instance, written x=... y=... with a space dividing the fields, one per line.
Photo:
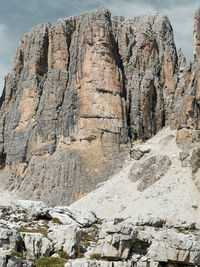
x=51 y=262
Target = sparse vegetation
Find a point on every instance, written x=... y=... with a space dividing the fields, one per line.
x=87 y=238
x=51 y=262
x=94 y=225
x=100 y=221
x=96 y=256
x=40 y=230
x=17 y=254
x=56 y=220
x=16 y=220
x=80 y=255
x=182 y=231
x=63 y=254
x=119 y=220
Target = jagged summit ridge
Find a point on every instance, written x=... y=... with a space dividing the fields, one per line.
x=80 y=92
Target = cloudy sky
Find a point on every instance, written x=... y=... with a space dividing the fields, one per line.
x=18 y=16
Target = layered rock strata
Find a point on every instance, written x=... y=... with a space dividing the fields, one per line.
x=80 y=91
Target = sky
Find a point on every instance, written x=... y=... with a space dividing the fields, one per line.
x=18 y=16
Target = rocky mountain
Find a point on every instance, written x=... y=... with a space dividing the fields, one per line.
x=103 y=112
x=81 y=91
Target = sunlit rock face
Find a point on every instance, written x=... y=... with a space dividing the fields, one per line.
x=80 y=91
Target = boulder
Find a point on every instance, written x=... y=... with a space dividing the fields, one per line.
x=97 y=263
x=67 y=215
x=149 y=171
x=9 y=238
x=3 y=260
x=138 y=152
x=14 y=262
x=170 y=246
x=28 y=204
x=115 y=241
x=35 y=246
x=66 y=238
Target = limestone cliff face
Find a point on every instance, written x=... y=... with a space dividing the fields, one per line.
x=63 y=114
x=80 y=91
x=149 y=62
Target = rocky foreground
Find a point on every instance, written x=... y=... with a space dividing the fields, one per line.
x=34 y=235
x=147 y=215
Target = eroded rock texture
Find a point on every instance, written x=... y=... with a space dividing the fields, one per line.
x=80 y=91
x=59 y=234
x=63 y=116
x=149 y=60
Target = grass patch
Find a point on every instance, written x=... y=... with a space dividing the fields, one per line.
x=96 y=256
x=51 y=262
x=119 y=220
x=80 y=255
x=17 y=254
x=56 y=220
x=40 y=230
x=95 y=226
x=100 y=221
x=63 y=254
x=182 y=231
x=16 y=220
x=87 y=238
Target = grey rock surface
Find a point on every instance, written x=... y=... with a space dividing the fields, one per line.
x=106 y=243
x=80 y=91
x=35 y=245
x=66 y=238
x=149 y=171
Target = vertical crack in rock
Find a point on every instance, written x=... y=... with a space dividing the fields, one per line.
x=2 y=152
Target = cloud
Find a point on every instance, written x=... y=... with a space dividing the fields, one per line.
x=182 y=20
x=18 y=16
x=130 y=9
x=6 y=53
x=3 y=71
x=181 y=15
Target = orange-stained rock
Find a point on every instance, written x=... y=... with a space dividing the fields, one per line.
x=81 y=91
x=66 y=118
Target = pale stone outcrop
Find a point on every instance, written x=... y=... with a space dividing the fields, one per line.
x=149 y=170
x=107 y=243
x=66 y=238
x=35 y=245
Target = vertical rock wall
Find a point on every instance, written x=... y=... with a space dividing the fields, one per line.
x=149 y=60
x=63 y=115
x=80 y=91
